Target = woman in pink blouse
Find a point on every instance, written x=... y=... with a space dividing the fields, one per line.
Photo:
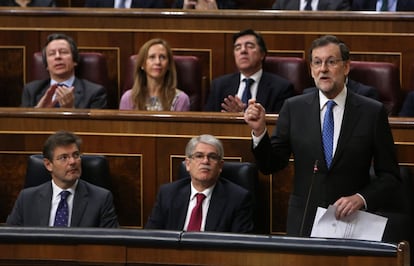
x=155 y=81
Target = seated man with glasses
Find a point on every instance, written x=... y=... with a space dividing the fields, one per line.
x=204 y=202
x=66 y=200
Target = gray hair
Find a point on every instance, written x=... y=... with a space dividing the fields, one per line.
x=206 y=139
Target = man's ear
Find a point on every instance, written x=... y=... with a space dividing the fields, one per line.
x=47 y=164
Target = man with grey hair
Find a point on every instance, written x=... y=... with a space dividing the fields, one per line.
x=204 y=202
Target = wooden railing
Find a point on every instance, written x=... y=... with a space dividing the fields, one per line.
x=145 y=149
x=71 y=246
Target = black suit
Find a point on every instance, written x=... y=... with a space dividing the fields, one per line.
x=365 y=138
x=370 y=5
x=230 y=207
x=271 y=92
x=134 y=4
x=356 y=87
x=221 y=4
x=408 y=105
x=92 y=207
x=88 y=95
x=322 y=5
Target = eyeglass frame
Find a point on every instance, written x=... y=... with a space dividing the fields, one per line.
x=330 y=62
x=64 y=158
x=211 y=157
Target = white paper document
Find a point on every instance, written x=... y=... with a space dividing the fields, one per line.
x=360 y=225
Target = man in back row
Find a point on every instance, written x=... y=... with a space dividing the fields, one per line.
x=62 y=89
x=230 y=93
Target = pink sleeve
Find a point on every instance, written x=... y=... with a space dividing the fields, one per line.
x=125 y=103
x=182 y=103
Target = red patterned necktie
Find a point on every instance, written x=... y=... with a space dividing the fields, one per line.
x=196 y=214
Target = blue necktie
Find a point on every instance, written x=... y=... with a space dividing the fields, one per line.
x=247 y=94
x=308 y=5
x=62 y=212
x=328 y=132
x=384 y=6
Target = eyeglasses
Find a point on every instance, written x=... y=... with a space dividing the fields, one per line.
x=211 y=157
x=331 y=62
x=64 y=158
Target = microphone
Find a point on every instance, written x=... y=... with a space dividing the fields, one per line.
x=305 y=212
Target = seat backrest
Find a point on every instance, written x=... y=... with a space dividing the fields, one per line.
x=294 y=69
x=189 y=77
x=92 y=66
x=383 y=76
x=95 y=170
x=244 y=174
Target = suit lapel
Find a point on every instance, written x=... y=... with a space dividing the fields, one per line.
x=263 y=87
x=78 y=84
x=80 y=201
x=215 y=210
x=180 y=206
x=351 y=115
x=44 y=199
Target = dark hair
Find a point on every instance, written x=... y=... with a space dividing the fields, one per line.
x=61 y=36
x=327 y=39
x=60 y=138
x=259 y=38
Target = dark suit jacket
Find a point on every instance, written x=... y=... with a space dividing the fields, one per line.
x=37 y=3
x=271 y=92
x=88 y=95
x=323 y=5
x=221 y=4
x=408 y=105
x=356 y=87
x=134 y=4
x=365 y=139
x=92 y=207
x=230 y=207
x=370 y=5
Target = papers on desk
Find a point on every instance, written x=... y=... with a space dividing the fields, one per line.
x=360 y=225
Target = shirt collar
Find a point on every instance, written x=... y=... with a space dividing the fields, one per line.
x=68 y=83
x=256 y=76
x=56 y=190
x=339 y=99
x=207 y=192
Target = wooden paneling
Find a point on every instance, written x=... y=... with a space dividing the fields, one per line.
x=207 y=35
x=144 y=150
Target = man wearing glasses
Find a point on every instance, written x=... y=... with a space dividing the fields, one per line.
x=66 y=200
x=335 y=136
x=204 y=202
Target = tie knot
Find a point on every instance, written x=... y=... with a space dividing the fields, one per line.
x=200 y=197
x=330 y=104
x=248 y=81
x=64 y=194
